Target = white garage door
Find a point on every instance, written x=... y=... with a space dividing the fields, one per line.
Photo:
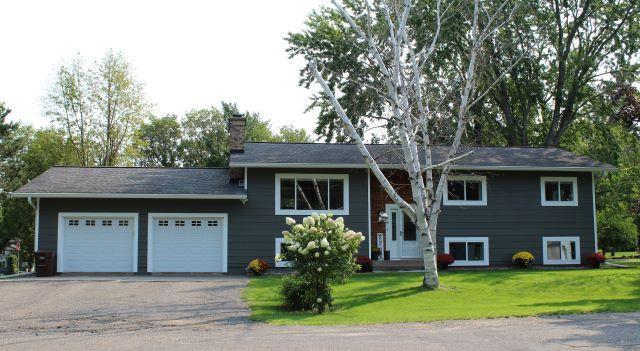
x=187 y=243
x=97 y=243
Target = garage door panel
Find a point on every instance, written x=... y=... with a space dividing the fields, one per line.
x=188 y=247
x=98 y=247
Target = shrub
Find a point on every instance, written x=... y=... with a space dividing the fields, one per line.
x=365 y=263
x=596 y=259
x=522 y=259
x=257 y=266
x=320 y=251
x=12 y=264
x=444 y=260
x=300 y=295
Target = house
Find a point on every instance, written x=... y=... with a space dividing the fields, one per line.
x=148 y=220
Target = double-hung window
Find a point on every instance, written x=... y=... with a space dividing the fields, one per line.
x=466 y=190
x=561 y=250
x=303 y=194
x=468 y=251
x=559 y=191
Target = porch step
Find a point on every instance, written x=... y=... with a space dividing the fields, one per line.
x=397 y=265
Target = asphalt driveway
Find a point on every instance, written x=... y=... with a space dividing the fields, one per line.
x=201 y=313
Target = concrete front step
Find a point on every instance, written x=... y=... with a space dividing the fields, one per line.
x=397 y=265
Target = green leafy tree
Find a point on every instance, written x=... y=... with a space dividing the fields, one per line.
x=158 y=142
x=617 y=231
x=291 y=134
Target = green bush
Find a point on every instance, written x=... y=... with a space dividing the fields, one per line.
x=300 y=294
x=616 y=230
x=12 y=264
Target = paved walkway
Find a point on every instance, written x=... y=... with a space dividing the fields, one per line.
x=207 y=313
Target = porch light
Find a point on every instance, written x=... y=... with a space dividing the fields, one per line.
x=382 y=217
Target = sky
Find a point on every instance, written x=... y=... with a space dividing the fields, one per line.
x=188 y=54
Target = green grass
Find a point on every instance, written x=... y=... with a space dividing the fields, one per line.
x=398 y=297
x=620 y=254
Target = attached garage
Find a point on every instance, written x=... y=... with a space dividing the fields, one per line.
x=187 y=243
x=98 y=242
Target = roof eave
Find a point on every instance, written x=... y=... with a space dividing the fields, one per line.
x=129 y=196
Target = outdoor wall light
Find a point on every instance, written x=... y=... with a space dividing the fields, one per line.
x=382 y=217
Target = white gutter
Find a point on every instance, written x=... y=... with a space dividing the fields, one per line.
x=128 y=196
x=397 y=166
x=36 y=207
x=595 y=218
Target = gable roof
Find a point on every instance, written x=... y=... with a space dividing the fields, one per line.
x=319 y=155
x=133 y=182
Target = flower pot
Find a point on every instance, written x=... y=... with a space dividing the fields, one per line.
x=387 y=255
x=375 y=255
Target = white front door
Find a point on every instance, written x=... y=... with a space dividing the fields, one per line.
x=402 y=240
x=187 y=243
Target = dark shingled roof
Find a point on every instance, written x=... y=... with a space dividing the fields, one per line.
x=273 y=154
x=135 y=182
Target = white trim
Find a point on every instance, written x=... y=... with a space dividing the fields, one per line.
x=280 y=264
x=482 y=202
x=245 y=178
x=543 y=200
x=63 y=215
x=225 y=234
x=595 y=218
x=304 y=176
x=546 y=239
x=466 y=240
x=398 y=166
x=129 y=196
x=369 y=209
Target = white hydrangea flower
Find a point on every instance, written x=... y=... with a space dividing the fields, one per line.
x=323 y=216
x=311 y=245
x=345 y=247
x=298 y=227
x=309 y=221
x=319 y=269
x=305 y=252
x=313 y=229
x=319 y=299
x=340 y=220
x=315 y=216
x=362 y=238
x=324 y=242
x=290 y=221
x=285 y=233
x=317 y=254
x=326 y=253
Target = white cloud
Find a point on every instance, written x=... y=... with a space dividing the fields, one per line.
x=189 y=54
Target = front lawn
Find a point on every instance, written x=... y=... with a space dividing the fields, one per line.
x=398 y=297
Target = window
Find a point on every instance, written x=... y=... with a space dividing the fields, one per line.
x=196 y=223
x=301 y=194
x=179 y=223
x=74 y=222
x=468 y=251
x=106 y=223
x=123 y=223
x=279 y=249
x=212 y=223
x=466 y=190
x=90 y=223
x=559 y=191
x=561 y=250
x=163 y=223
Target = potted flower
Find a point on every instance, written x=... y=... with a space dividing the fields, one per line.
x=375 y=253
x=444 y=260
x=258 y=266
x=522 y=259
x=595 y=259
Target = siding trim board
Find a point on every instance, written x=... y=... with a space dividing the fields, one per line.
x=129 y=196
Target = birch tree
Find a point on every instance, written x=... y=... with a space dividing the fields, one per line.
x=416 y=102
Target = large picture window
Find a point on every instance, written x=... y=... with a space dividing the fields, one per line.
x=559 y=191
x=466 y=190
x=561 y=250
x=468 y=251
x=302 y=194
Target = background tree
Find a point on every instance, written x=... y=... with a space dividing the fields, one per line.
x=99 y=108
x=158 y=142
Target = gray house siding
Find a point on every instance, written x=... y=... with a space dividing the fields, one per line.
x=514 y=219
x=253 y=226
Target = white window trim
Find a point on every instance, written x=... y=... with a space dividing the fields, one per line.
x=482 y=202
x=280 y=264
x=543 y=200
x=62 y=216
x=468 y=239
x=546 y=239
x=303 y=176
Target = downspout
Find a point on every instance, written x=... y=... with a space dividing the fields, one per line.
x=595 y=219
x=36 y=207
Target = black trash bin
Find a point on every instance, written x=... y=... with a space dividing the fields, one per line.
x=45 y=263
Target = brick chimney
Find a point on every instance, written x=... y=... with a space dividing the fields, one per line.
x=237 y=125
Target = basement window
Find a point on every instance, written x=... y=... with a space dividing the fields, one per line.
x=468 y=251
x=280 y=248
x=561 y=250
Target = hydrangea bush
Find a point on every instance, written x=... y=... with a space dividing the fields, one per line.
x=320 y=251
